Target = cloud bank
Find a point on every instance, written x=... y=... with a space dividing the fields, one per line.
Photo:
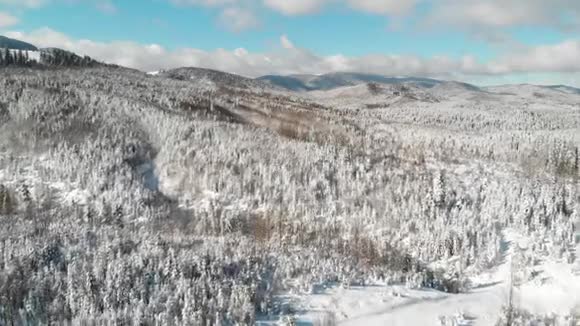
x=288 y=58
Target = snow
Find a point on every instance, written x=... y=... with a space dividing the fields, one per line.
x=66 y=193
x=69 y=194
x=34 y=55
x=398 y=306
x=534 y=94
x=221 y=177
x=558 y=292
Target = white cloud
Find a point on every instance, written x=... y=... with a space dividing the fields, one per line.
x=235 y=15
x=486 y=19
x=238 y=19
x=106 y=6
x=383 y=7
x=286 y=43
x=208 y=3
x=7 y=20
x=295 y=7
x=505 y=13
x=24 y=3
x=561 y=57
x=289 y=59
x=302 y=7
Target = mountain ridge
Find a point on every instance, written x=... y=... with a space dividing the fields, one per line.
x=335 y=80
x=215 y=78
x=14 y=44
x=272 y=82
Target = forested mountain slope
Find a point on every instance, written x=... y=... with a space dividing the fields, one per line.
x=136 y=199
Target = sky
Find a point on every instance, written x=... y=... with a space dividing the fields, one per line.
x=478 y=41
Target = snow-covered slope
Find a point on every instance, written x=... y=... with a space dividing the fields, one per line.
x=553 y=290
x=206 y=198
x=538 y=94
x=372 y=95
x=216 y=78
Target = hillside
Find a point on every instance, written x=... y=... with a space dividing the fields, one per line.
x=214 y=78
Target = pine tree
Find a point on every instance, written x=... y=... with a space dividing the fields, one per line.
x=7 y=57
x=19 y=58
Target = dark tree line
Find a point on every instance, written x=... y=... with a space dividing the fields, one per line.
x=58 y=57
x=46 y=57
x=15 y=58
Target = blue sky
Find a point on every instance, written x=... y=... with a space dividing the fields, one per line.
x=487 y=40
x=175 y=26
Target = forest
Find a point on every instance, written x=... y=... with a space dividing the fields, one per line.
x=133 y=199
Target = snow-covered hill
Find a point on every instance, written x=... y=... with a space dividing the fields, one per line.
x=372 y=95
x=216 y=78
x=534 y=94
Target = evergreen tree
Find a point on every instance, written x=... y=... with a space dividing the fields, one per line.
x=19 y=58
x=7 y=57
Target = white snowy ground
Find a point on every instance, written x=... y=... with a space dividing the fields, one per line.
x=556 y=291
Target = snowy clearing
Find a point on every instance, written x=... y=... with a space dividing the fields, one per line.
x=557 y=293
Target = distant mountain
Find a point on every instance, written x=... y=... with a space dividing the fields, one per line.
x=547 y=94
x=565 y=89
x=341 y=79
x=9 y=43
x=291 y=83
x=215 y=78
x=535 y=90
x=374 y=95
